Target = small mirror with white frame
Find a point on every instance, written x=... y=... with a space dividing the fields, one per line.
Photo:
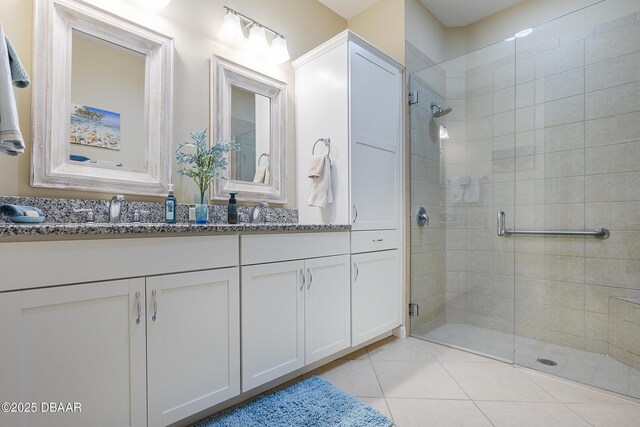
x=250 y=109
x=101 y=101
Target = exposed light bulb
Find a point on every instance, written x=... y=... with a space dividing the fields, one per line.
x=231 y=27
x=278 y=53
x=257 y=42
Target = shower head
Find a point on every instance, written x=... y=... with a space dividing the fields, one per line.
x=438 y=111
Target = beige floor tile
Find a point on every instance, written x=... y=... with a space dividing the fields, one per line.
x=409 y=349
x=608 y=415
x=496 y=381
x=416 y=380
x=355 y=377
x=436 y=413
x=450 y=354
x=377 y=403
x=567 y=392
x=530 y=414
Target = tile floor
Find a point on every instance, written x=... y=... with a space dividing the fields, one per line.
x=418 y=383
x=589 y=368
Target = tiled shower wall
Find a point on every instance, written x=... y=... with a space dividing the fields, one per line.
x=554 y=140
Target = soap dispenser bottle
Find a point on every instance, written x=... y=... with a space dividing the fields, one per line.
x=232 y=210
x=170 y=207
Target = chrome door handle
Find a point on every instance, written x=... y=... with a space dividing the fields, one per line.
x=355 y=213
x=310 y=278
x=355 y=265
x=304 y=280
x=138 y=308
x=155 y=305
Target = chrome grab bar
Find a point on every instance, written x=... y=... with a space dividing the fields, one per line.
x=503 y=231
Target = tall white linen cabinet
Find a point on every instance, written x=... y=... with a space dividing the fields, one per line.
x=350 y=93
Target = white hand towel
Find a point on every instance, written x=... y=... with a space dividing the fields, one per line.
x=261 y=172
x=11 y=141
x=456 y=192
x=320 y=193
x=316 y=166
x=472 y=192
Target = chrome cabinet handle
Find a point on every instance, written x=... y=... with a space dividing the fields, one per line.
x=304 y=280
x=310 y=278
x=138 y=308
x=155 y=305
x=378 y=240
x=355 y=213
x=355 y=265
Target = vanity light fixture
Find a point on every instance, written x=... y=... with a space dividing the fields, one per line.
x=233 y=29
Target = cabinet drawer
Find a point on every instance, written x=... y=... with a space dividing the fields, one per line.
x=377 y=240
x=259 y=249
x=79 y=261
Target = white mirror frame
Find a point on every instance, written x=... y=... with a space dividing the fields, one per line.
x=225 y=74
x=54 y=21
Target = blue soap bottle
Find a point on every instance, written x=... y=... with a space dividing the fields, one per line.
x=170 y=207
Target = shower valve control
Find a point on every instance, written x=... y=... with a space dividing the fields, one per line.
x=421 y=217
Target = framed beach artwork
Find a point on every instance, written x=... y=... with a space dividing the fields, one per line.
x=95 y=127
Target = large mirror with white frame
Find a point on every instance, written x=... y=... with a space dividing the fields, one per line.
x=101 y=101
x=249 y=109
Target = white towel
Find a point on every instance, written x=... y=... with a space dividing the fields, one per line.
x=316 y=166
x=320 y=193
x=472 y=192
x=259 y=177
x=11 y=141
x=456 y=192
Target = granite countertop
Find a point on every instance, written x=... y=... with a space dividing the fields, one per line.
x=109 y=229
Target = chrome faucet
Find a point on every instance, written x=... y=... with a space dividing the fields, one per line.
x=115 y=208
x=257 y=211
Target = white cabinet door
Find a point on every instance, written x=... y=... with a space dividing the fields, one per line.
x=375 y=141
x=272 y=301
x=375 y=294
x=193 y=342
x=327 y=307
x=82 y=343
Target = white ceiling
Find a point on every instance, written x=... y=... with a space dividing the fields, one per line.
x=458 y=13
x=451 y=13
x=348 y=8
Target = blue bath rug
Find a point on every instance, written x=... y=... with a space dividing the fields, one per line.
x=310 y=403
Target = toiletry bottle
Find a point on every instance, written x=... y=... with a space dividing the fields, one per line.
x=170 y=207
x=232 y=210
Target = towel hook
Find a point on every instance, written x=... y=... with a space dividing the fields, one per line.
x=327 y=142
x=267 y=155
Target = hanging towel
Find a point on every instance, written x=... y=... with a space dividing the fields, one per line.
x=320 y=193
x=261 y=174
x=316 y=166
x=19 y=75
x=11 y=142
x=456 y=191
x=472 y=192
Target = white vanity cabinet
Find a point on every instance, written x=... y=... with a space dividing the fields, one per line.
x=349 y=91
x=193 y=342
x=82 y=343
x=149 y=350
x=293 y=312
x=375 y=284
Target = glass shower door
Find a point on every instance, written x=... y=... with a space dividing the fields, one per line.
x=577 y=311
x=462 y=172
